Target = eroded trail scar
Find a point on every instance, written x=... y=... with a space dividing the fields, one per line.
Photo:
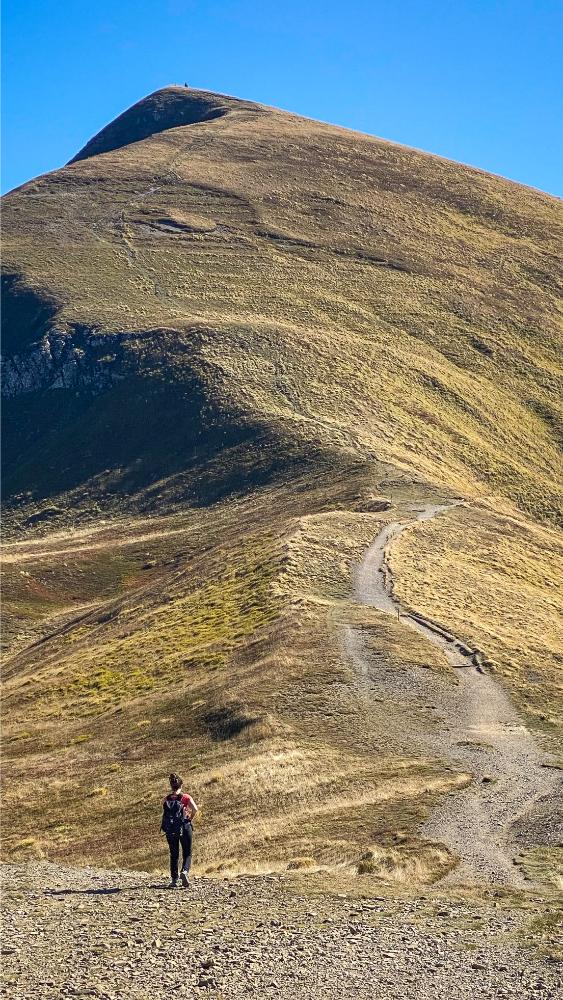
x=474 y=725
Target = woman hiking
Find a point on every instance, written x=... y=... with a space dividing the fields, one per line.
x=178 y=812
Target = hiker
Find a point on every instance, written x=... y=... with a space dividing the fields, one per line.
x=178 y=812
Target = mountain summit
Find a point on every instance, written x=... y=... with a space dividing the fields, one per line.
x=242 y=350
x=170 y=107
x=347 y=295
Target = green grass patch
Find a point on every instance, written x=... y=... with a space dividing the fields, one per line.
x=196 y=631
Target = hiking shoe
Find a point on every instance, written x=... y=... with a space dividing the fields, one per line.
x=184 y=879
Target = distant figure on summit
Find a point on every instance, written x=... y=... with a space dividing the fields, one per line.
x=178 y=812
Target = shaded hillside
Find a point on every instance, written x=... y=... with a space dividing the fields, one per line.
x=238 y=343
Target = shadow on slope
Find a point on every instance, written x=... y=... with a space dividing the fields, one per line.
x=168 y=108
x=143 y=422
x=27 y=313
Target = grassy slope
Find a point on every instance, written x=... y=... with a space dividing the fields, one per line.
x=501 y=592
x=342 y=318
x=228 y=662
x=275 y=234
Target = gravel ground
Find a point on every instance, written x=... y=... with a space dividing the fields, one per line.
x=113 y=934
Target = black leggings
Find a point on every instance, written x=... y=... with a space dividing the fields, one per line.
x=185 y=839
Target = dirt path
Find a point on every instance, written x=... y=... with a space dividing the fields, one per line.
x=476 y=727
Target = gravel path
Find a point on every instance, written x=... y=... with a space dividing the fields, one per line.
x=476 y=727
x=113 y=934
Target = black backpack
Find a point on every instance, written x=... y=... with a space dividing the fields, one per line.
x=173 y=819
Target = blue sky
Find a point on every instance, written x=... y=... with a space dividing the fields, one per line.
x=473 y=80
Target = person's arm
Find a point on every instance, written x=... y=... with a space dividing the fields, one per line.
x=190 y=807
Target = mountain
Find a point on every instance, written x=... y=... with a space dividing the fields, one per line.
x=238 y=345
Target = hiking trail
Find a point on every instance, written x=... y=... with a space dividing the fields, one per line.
x=478 y=729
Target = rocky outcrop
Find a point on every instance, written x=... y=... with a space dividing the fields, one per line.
x=63 y=360
x=91 y=360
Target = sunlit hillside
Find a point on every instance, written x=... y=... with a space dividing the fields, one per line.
x=238 y=343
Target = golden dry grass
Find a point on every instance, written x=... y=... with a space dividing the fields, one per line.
x=294 y=305
x=317 y=319
x=495 y=581
x=232 y=667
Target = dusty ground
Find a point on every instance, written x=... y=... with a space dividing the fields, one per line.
x=116 y=934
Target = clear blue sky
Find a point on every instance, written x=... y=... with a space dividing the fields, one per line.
x=473 y=80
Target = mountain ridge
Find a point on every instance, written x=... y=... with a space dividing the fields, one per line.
x=198 y=101
x=190 y=230
x=163 y=109
x=237 y=349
